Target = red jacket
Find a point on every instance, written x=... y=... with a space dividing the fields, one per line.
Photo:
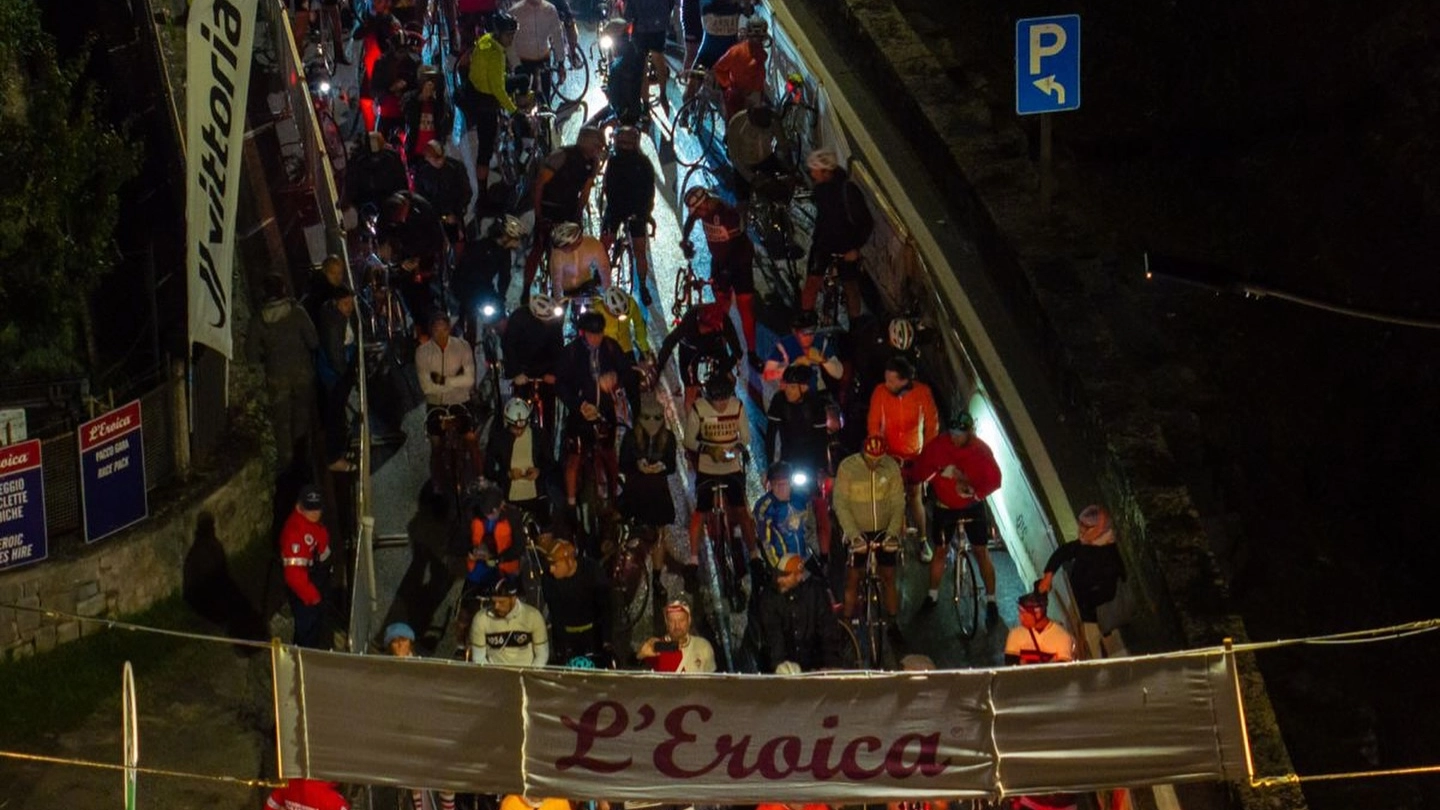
x=973 y=459
x=303 y=544
x=307 y=794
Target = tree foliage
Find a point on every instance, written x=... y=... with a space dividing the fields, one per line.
x=61 y=169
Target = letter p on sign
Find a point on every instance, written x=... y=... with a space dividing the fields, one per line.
x=1039 y=50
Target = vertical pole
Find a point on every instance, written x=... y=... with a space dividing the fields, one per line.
x=181 y=405
x=1047 y=180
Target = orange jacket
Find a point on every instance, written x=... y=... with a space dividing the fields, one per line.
x=501 y=543
x=907 y=421
x=741 y=71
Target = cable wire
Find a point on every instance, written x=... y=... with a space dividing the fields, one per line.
x=110 y=766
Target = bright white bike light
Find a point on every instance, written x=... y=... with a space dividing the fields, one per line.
x=324 y=87
x=488 y=310
x=559 y=311
x=799 y=479
x=607 y=42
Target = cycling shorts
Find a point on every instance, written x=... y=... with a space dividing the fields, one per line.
x=690 y=21
x=649 y=41
x=733 y=270
x=819 y=262
x=637 y=226
x=734 y=490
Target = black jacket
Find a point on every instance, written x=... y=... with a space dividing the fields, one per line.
x=443 y=116
x=842 y=218
x=1094 y=573
x=502 y=444
x=447 y=188
x=629 y=186
x=799 y=626
x=576 y=380
x=373 y=176
x=799 y=430
x=531 y=346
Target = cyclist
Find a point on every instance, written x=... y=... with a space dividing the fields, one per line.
x=801 y=348
x=647 y=460
x=843 y=224
x=784 y=521
x=962 y=473
x=561 y=189
x=1037 y=640
x=539 y=43
x=625 y=82
x=492 y=93
x=678 y=651
x=717 y=435
x=721 y=21
x=903 y=411
x=446 y=184
x=521 y=461
x=412 y=236
x=756 y=144
x=650 y=25
x=629 y=188
x=532 y=344
x=428 y=116
x=797 y=622
x=483 y=272
x=577 y=595
x=395 y=74
x=625 y=323
x=869 y=503
x=374 y=173
x=376 y=34
x=509 y=632
x=445 y=365
x=705 y=336
x=732 y=255
x=740 y=73
x=579 y=264
x=692 y=28
x=593 y=371
x=799 y=432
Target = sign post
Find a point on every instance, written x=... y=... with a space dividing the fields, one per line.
x=112 y=471
x=1047 y=79
x=22 y=505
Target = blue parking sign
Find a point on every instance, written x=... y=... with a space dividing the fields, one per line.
x=1047 y=64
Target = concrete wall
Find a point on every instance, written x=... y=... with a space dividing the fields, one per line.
x=134 y=570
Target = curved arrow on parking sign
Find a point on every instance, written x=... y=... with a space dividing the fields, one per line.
x=1049 y=86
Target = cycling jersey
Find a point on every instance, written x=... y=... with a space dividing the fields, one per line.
x=621 y=330
x=908 y=420
x=721 y=17
x=569 y=171
x=784 y=527
x=799 y=431
x=649 y=16
x=629 y=186
x=580 y=264
x=539 y=31
x=722 y=345
x=500 y=538
x=518 y=638
x=718 y=435
x=696 y=656
x=869 y=500
x=1054 y=643
x=788 y=350
x=974 y=461
x=487 y=72
x=453 y=367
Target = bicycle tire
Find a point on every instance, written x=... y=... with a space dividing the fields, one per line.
x=692 y=118
x=851 y=655
x=798 y=122
x=576 y=84
x=720 y=556
x=966 y=597
x=622 y=263
x=874 y=632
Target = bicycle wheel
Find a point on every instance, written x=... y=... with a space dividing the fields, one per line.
x=692 y=118
x=874 y=630
x=622 y=264
x=507 y=155
x=850 y=653
x=576 y=84
x=718 y=527
x=798 y=122
x=966 y=597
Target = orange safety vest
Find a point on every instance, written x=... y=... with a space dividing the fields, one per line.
x=503 y=539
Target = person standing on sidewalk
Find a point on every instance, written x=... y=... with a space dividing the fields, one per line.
x=304 y=552
x=283 y=341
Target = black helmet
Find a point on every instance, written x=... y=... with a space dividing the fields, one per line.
x=505 y=586
x=804 y=320
x=779 y=471
x=796 y=374
x=503 y=23
x=961 y=420
x=720 y=385
x=591 y=322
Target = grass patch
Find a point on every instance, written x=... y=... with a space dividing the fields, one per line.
x=55 y=692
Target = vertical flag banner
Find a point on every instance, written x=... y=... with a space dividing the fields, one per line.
x=220 y=40
x=22 y=505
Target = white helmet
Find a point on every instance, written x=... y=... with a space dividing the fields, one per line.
x=565 y=234
x=823 y=160
x=696 y=195
x=617 y=302
x=788 y=668
x=517 y=412
x=543 y=307
x=512 y=227
x=902 y=334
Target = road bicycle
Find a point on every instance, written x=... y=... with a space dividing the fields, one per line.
x=832 y=296
x=799 y=119
x=690 y=289
x=702 y=115
x=624 y=265
x=873 y=622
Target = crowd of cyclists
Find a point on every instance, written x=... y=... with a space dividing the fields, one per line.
x=559 y=451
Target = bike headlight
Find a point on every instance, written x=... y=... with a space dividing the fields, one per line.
x=324 y=87
x=558 y=311
x=607 y=42
x=488 y=310
x=799 y=479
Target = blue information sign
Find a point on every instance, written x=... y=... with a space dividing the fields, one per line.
x=22 y=505
x=1047 y=64
x=112 y=471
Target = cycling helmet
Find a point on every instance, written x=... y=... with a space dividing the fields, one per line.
x=591 y=323
x=697 y=195
x=823 y=160
x=961 y=420
x=502 y=23
x=545 y=308
x=565 y=234
x=616 y=302
x=517 y=412
x=720 y=385
x=757 y=28
x=779 y=471
x=505 y=586
x=796 y=375
x=592 y=134
x=398 y=630
x=902 y=334
x=581 y=662
x=627 y=138
x=511 y=227
x=788 y=668
x=875 y=446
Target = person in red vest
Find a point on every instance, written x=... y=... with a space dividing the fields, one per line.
x=307 y=794
x=962 y=473
x=304 y=548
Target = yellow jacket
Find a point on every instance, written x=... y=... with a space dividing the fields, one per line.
x=621 y=330
x=487 y=71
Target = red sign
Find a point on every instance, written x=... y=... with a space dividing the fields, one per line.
x=111 y=426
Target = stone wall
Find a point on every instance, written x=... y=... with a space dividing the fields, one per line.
x=137 y=568
x=1047 y=268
